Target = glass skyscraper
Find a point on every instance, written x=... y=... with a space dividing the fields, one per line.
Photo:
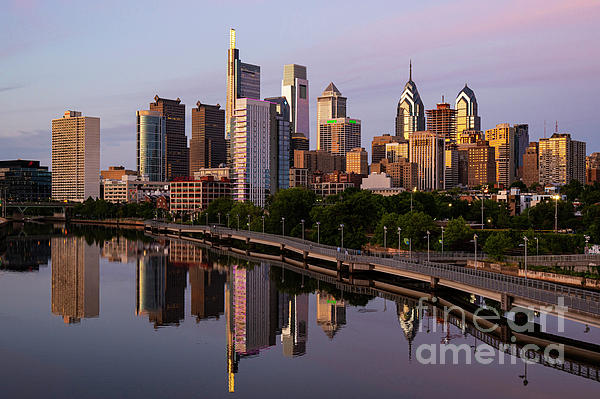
x=151 y=145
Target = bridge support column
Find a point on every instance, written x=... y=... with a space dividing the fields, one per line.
x=506 y=302
x=305 y=259
x=434 y=282
x=339 y=265
x=179 y=233
x=282 y=249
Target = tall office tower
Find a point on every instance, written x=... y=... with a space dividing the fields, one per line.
x=502 y=138
x=294 y=331
x=75 y=157
x=331 y=314
x=331 y=105
x=521 y=143
x=442 y=120
x=466 y=111
x=294 y=88
x=75 y=279
x=207 y=293
x=279 y=157
x=561 y=160
x=207 y=146
x=481 y=164
x=396 y=151
x=592 y=168
x=340 y=135
x=151 y=145
x=531 y=165
x=427 y=150
x=177 y=149
x=357 y=161
x=451 y=172
x=243 y=81
x=378 y=146
x=410 y=114
x=250 y=143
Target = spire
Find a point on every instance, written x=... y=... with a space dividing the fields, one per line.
x=410 y=70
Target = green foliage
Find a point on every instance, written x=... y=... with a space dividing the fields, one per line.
x=294 y=205
x=497 y=244
x=457 y=234
x=520 y=185
x=100 y=209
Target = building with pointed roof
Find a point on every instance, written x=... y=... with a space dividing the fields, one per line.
x=467 y=117
x=410 y=114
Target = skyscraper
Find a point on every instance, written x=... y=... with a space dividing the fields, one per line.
x=466 y=111
x=331 y=105
x=442 y=120
x=378 y=146
x=410 y=114
x=75 y=157
x=294 y=332
x=531 y=165
x=279 y=157
x=250 y=143
x=243 y=81
x=357 y=161
x=481 y=164
x=151 y=145
x=207 y=146
x=427 y=151
x=521 y=143
x=177 y=152
x=561 y=160
x=294 y=88
x=502 y=138
x=339 y=135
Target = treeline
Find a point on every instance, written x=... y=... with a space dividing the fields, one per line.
x=100 y=209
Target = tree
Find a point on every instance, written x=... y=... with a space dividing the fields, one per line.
x=457 y=234
x=294 y=204
x=520 y=185
x=497 y=244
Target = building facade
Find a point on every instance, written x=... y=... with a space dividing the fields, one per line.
x=531 y=165
x=502 y=138
x=521 y=143
x=481 y=165
x=442 y=120
x=151 y=145
x=25 y=181
x=340 y=135
x=330 y=105
x=319 y=160
x=466 y=106
x=427 y=150
x=176 y=150
x=561 y=160
x=190 y=197
x=116 y=173
x=410 y=113
x=280 y=140
x=378 y=146
x=357 y=161
x=207 y=145
x=294 y=88
x=75 y=157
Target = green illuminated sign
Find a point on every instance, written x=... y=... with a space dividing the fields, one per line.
x=332 y=121
x=353 y=121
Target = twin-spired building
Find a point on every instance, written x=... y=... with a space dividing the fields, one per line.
x=75 y=157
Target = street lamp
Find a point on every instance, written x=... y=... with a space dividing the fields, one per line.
x=537 y=246
x=482 y=203
x=428 y=245
x=525 y=239
x=228 y=220
x=248 y=222
x=302 y=222
x=263 y=223
x=207 y=218
x=238 y=220
x=283 y=226
x=399 y=238
x=342 y=240
x=219 y=216
x=385 y=237
x=318 y=233
x=442 y=240
x=556 y=198
x=411 y=198
x=475 y=240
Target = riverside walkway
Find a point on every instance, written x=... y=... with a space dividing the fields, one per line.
x=582 y=305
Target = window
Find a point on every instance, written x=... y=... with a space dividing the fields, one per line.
x=302 y=91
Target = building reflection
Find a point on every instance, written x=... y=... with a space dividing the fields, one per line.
x=331 y=313
x=208 y=293
x=121 y=249
x=409 y=318
x=75 y=279
x=24 y=254
x=293 y=316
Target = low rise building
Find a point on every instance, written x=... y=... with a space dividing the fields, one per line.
x=376 y=180
x=131 y=189
x=25 y=181
x=299 y=177
x=188 y=197
x=323 y=189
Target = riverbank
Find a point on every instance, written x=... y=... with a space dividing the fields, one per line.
x=120 y=223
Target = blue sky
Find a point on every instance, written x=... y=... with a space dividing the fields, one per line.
x=527 y=61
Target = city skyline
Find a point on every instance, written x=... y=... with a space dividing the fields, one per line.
x=525 y=92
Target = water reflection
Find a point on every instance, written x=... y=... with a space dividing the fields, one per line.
x=331 y=313
x=24 y=254
x=75 y=279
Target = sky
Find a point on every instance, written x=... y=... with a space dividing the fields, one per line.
x=527 y=61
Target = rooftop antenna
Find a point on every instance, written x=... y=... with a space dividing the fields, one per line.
x=544 y=128
x=410 y=70
x=556 y=127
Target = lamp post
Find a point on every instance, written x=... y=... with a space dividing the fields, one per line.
x=411 y=198
x=537 y=246
x=587 y=240
x=385 y=237
x=475 y=241
x=525 y=239
x=302 y=222
x=263 y=223
x=482 y=203
x=442 y=240
x=318 y=233
x=283 y=226
x=219 y=216
x=399 y=238
x=238 y=220
x=428 y=245
x=228 y=220
x=207 y=218
x=342 y=239
x=248 y=222
x=556 y=198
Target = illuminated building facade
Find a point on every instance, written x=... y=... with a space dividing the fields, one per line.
x=561 y=160
x=427 y=150
x=330 y=105
x=357 y=161
x=151 y=145
x=340 y=135
x=410 y=113
x=466 y=107
x=502 y=138
x=294 y=88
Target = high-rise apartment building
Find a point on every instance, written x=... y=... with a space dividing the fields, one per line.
x=561 y=160
x=357 y=161
x=521 y=143
x=481 y=164
x=592 y=168
x=243 y=81
x=177 y=152
x=75 y=157
x=410 y=114
x=75 y=279
x=466 y=111
x=427 y=150
x=207 y=146
x=340 y=135
x=250 y=143
x=294 y=88
x=531 y=165
x=151 y=145
x=502 y=138
x=279 y=157
x=442 y=120
x=330 y=105
x=378 y=146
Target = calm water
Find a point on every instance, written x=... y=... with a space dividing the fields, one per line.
x=125 y=318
